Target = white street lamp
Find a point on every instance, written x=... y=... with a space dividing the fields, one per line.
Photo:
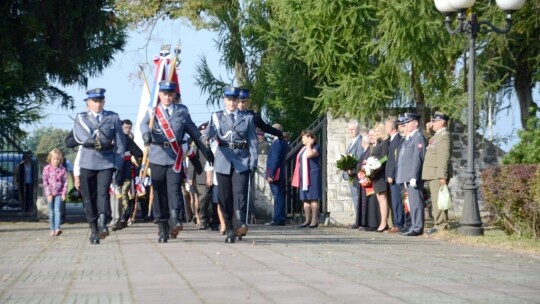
x=471 y=223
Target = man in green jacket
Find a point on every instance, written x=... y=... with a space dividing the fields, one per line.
x=437 y=169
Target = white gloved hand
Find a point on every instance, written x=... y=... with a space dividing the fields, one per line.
x=413 y=182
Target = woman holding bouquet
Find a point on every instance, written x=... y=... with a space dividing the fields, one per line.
x=307 y=177
x=369 y=209
x=380 y=151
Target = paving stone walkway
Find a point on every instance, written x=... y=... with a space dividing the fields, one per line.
x=271 y=265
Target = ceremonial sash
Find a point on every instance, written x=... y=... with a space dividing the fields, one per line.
x=305 y=171
x=166 y=127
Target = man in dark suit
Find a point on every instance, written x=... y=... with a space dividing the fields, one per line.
x=437 y=169
x=409 y=172
x=103 y=146
x=275 y=175
x=398 y=212
x=171 y=121
x=236 y=157
x=354 y=148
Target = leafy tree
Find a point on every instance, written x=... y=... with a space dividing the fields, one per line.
x=240 y=26
x=527 y=151
x=513 y=59
x=51 y=42
x=42 y=141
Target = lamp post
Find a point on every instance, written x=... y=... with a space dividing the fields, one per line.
x=471 y=223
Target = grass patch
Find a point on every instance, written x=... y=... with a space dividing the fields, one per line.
x=493 y=238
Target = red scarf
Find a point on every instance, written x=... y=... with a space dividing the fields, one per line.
x=166 y=127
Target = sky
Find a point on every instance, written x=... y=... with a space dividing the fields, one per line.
x=124 y=85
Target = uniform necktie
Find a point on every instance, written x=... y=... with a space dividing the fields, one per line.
x=232 y=117
x=167 y=111
x=98 y=118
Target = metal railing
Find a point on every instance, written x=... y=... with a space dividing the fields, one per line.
x=11 y=154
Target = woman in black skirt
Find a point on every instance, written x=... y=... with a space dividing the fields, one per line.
x=380 y=151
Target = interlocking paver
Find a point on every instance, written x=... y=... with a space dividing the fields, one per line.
x=271 y=265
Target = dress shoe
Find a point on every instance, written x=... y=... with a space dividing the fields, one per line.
x=383 y=230
x=432 y=231
x=242 y=230
x=353 y=226
x=57 y=232
x=313 y=226
x=411 y=233
x=175 y=230
x=102 y=227
x=272 y=223
x=162 y=232
x=94 y=235
x=393 y=230
x=203 y=226
x=304 y=225
x=116 y=226
x=230 y=236
x=175 y=224
x=404 y=229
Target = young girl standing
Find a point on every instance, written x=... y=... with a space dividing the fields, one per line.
x=55 y=188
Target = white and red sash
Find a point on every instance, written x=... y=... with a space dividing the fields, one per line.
x=166 y=127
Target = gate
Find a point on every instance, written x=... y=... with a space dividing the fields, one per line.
x=12 y=185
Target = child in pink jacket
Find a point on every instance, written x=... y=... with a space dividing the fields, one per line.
x=55 y=188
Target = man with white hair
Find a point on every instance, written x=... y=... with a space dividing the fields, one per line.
x=354 y=148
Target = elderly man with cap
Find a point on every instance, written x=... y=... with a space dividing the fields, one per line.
x=236 y=157
x=437 y=169
x=409 y=172
x=103 y=146
x=163 y=129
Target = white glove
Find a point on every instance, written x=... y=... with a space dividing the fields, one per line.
x=413 y=182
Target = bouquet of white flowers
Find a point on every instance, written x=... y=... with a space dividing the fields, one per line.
x=369 y=167
x=372 y=164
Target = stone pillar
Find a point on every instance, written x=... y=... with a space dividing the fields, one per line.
x=339 y=201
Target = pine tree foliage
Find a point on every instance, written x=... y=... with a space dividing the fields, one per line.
x=49 y=43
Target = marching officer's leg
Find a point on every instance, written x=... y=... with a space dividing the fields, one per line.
x=160 y=208
x=88 y=179
x=240 y=182
x=225 y=197
x=104 y=178
x=176 y=201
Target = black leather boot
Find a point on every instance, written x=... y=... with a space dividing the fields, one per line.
x=230 y=232
x=94 y=237
x=102 y=226
x=240 y=228
x=175 y=224
x=163 y=232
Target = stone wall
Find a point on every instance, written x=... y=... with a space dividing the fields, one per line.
x=339 y=203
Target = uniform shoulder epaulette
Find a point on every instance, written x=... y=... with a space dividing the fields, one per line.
x=109 y=113
x=180 y=105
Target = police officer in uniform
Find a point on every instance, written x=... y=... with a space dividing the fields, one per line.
x=243 y=106
x=236 y=158
x=409 y=172
x=171 y=122
x=103 y=146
